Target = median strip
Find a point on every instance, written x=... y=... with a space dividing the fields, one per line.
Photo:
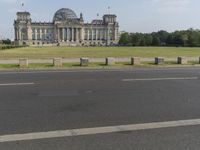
x=97 y=130
x=160 y=79
x=16 y=84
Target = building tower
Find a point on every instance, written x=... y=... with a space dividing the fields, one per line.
x=111 y=30
x=22 y=26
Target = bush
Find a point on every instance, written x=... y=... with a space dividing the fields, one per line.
x=4 y=47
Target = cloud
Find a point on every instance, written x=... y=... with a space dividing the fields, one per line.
x=171 y=6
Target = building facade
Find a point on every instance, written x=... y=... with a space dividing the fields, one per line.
x=66 y=29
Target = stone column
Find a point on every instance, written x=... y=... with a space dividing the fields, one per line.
x=105 y=34
x=35 y=34
x=77 y=34
x=16 y=34
x=72 y=34
x=58 y=35
x=82 y=34
x=88 y=34
x=96 y=34
x=29 y=33
x=45 y=34
x=115 y=36
x=20 y=34
x=108 y=34
x=66 y=34
x=40 y=34
x=63 y=34
x=100 y=32
x=92 y=34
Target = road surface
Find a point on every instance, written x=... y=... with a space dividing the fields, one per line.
x=140 y=109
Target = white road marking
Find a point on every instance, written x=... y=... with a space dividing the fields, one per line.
x=97 y=130
x=16 y=84
x=160 y=79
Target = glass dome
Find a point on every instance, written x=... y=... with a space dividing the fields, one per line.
x=64 y=14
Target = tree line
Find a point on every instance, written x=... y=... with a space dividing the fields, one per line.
x=6 y=42
x=183 y=38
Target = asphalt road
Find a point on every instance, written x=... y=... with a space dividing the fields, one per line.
x=35 y=102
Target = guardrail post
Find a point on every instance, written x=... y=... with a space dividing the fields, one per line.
x=57 y=62
x=182 y=60
x=135 y=61
x=110 y=61
x=159 y=60
x=84 y=61
x=23 y=63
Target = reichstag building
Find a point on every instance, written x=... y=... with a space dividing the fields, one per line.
x=66 y=29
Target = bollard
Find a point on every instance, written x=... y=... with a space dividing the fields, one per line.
x=159 y=60
x=110 y=61
x=23 y=62
x=135 y=61
x=84 y=61
x=57 y=62
x=182 y=60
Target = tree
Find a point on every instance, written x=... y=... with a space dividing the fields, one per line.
x=155 y=41
x=7 y=41
x=148 y=39
x=184 y=38
x=124 y=39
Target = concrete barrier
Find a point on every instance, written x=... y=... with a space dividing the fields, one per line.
x=135 y=61
x=159 y=60
x=23 y=62
x=182 y=60
x=57 y=62
x=84 y=61
x=110 y=61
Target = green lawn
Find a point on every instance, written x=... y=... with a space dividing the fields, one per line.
x=97 y=52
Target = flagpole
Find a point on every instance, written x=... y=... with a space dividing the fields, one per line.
x=22 y=5
x=109 y=10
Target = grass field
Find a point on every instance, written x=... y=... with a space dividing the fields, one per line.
x=97 y=52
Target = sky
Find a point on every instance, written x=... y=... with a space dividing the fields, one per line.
x=133 y=15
